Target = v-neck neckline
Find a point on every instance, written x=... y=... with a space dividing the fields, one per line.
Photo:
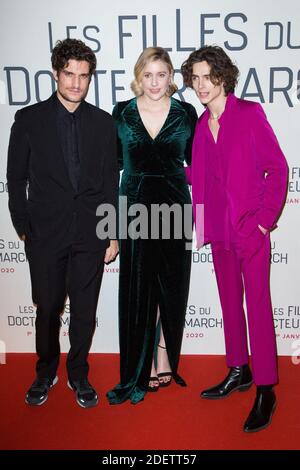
x=215 y=141
x=220 y=121
x=145 y=128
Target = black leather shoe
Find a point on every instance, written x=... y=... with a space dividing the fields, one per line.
x=38 y=392
x=239 y=378
x=261 y=414
x=86 y=396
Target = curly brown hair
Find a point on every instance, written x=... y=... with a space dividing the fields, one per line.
x=72 y=49
x=222 y=68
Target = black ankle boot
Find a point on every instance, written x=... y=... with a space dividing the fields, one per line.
x=239 y=378
x=261 y=414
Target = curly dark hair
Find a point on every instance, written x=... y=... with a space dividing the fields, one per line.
x=222 y=68
x=72 y=49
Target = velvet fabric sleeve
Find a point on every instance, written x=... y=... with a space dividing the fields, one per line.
x=188 y=152
x=116 y=115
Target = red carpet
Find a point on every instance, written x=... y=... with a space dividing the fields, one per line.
x=173 y=418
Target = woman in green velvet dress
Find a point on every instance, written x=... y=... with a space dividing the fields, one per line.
x=155 y=133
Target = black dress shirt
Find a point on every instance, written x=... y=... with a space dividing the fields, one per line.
x=68 y=128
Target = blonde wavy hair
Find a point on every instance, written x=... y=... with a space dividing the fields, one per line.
x=151 y=54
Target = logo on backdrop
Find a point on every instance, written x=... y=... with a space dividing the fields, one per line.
x=12 y=254
x=108 y=270
x=287 y=322
x=65 y=321
x=25 y=316
x=203 y=256
x=24 y=86
x=3 y=187
x=23 y=320
x=294 y=186
x=278 y=256
x=200 y=320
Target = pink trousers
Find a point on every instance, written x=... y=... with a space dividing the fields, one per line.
x=246 y=267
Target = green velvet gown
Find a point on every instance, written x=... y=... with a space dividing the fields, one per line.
x=153 y=272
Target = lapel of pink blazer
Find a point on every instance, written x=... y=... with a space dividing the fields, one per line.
x=197 y=176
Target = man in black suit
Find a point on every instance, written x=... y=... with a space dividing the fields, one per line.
x=62 y=165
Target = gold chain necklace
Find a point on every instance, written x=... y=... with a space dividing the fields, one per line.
x=215 y=117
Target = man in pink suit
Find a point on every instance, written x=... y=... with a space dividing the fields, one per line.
x=239 y=180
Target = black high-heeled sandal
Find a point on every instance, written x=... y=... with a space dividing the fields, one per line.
x=164 y=374
x=155 y=387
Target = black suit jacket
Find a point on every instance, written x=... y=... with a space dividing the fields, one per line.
x=44 y=209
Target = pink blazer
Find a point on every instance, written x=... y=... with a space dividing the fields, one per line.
x=256 y=171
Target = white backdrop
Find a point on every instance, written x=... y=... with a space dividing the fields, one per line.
x=263 y=37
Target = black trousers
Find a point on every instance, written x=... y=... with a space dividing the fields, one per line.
x=68 y=269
